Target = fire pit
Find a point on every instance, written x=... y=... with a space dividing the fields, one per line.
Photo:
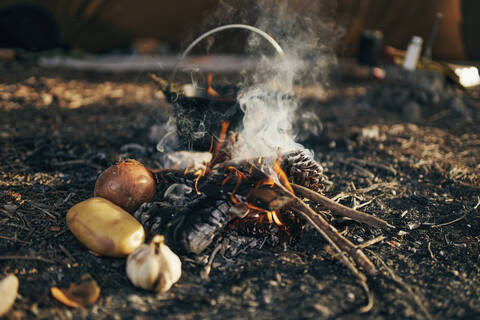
x=193 y=206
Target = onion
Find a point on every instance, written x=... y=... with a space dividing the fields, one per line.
x=127 y=184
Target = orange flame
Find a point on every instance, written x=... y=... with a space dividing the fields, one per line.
x=240 y=176
x=199 y=173
x=210 y=89
x=211 y=145
x=276 y=219
x=273 y=217
x=282 y=175
x=221 y=139
x=269 y=181
x=269 y=216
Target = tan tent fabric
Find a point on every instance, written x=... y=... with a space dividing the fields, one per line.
x=98 y=25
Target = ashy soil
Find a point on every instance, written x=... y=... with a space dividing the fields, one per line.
x=417 y=167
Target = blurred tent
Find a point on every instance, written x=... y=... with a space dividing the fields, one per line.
x=102 y=25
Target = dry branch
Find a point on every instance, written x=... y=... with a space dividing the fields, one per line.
x=341 y=209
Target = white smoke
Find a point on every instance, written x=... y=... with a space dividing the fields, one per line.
x=268 y=112
x=308 y=40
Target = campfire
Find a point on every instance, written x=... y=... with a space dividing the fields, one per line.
x=257 y=173
x=228 y=190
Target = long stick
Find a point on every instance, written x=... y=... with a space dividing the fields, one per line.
x=339 y=244
x=341 y=209
x=332 y=235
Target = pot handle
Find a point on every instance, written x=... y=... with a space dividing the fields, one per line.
x=265 y=35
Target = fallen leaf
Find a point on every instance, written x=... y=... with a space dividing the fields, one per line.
x=80 y=295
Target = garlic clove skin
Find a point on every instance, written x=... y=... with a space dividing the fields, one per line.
x=170 y=266
x=143 y=267
x=8 y=293
x=154 y=266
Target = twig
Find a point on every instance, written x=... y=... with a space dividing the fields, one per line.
x=206 y=271
x=403 y=284
x=67 y=253
x=359 y=168
x=429 y=247
x=15 y=240
x=355 y=207
x=341 y=209
x=478 y=204
x=17 y=226
x=371 y=242
x=5 y=212
x=449 y=222
x=27 y=258
x=370 y=300
x=33 y=204
x=334 y=238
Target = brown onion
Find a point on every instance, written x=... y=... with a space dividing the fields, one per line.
x=127 y=184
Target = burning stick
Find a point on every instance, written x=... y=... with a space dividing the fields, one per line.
x=245 y=183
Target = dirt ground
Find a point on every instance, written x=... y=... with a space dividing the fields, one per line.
x=417 y=168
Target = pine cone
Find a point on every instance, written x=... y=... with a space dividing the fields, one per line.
x=303 y=170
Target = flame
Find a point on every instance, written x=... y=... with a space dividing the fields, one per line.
x=211 y=145
x=272 y=217
x=269 y=181
x=269 y=216
x=240 y=176
x=199 y=173
x=221 y=139
x=210 y=89
x=276 y=219
x=282 y=175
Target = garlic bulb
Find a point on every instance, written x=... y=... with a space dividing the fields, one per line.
x=154 y=266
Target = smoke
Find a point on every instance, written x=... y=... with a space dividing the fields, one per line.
x=307 y=33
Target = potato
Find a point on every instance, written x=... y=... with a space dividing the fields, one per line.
x=105 y=228
x=128 y=184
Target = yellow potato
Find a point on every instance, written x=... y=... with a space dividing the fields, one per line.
x=105 y=228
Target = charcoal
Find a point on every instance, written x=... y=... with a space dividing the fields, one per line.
x=190 y=220
x=199 y=228
x=191 y=228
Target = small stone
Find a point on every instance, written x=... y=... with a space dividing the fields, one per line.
x=351 y=296
x=11 y=208
x=323 y=310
